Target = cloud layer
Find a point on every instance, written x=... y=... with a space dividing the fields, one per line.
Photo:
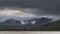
x=29 y=7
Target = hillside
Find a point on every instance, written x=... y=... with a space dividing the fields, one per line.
x=27 y=25
x=42 y=24
x=54 y=26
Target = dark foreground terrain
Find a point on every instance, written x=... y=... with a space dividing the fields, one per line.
x=55 y=26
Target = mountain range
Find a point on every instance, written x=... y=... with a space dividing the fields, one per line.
x=28 y=24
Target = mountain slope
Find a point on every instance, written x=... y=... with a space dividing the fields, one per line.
x=54 y=26
x=15 y=24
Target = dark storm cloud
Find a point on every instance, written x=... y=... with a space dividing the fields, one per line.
x=43 y=4
x=37 y=7
x=46 y=12
x=46 y=7
x=56 y=12
x=40 y=12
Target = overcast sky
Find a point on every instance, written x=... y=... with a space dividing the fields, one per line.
x=39 y=7
x=36 y=7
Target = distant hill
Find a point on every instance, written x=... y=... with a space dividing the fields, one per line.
x=17 y=25
x=54 y=26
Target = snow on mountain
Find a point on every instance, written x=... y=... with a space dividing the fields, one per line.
x=27 y=23
x=9 y=17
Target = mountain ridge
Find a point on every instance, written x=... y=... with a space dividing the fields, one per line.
x=28 y=23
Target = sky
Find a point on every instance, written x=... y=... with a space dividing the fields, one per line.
x=39 y=7
x=30 y=8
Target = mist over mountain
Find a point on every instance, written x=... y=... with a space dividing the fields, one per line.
x=26 y=23
x=29 y=13
x=37 y=7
